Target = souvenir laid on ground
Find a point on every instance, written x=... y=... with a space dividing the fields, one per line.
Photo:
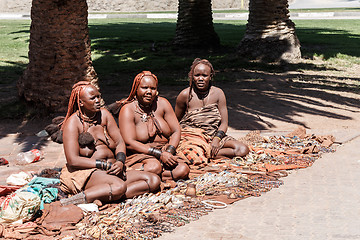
x=211 y=186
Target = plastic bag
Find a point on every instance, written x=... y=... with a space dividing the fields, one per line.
x=19 y=179
x=19 y=206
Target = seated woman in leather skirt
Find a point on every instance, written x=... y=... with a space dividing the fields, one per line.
x=151 y=130
x=95 y=153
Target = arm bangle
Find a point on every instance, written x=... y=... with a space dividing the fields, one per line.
x=98 y=163
x=217 y=137
x=155 y=152
x=220 y=134
x=101 y=164
x=171 y=149
x=120 y=156
x=107 y=165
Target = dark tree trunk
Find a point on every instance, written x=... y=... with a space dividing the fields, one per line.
x=270 y=34
x=59 y=53
x=194 y=28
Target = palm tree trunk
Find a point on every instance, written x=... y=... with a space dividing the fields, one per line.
x=194 y=28
x=270 y=34
x=59 y=53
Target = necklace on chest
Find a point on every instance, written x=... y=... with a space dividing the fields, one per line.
x=91 y=121
x=144 y=115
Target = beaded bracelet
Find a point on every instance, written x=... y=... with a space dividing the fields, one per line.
x=171 y=149
x=121 y=157
x=155 y=152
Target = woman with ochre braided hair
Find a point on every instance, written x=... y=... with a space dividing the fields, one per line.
x=95 y=153
x=202 y=112
x=151 y=131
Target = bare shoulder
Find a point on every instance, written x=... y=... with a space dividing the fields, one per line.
x=72 y=123
x=105 y=112
x=218 y=92
x=163 y=101
x=183 y=94
x=129 y=107
x=185 y=91
x=106 y=115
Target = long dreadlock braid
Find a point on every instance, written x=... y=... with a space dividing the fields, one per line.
x=135 y=86
x=74 y=101
x=196 y=62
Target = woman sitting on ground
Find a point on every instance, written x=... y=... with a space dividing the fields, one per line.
x=95 y=153
x=202 y=112
x=151 y=131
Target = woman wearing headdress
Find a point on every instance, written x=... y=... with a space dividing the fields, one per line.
x=95 y=153
x=202 y=112
x=151 y=130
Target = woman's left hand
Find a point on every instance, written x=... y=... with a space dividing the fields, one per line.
x=168 y=159
x=118 y=169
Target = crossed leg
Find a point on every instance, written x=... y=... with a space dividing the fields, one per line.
x=104 y=187
x=233 y=148
x=181 y=171
x=140 y=182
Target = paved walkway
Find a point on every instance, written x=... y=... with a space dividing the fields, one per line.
x=320 y=202
x=216 y=16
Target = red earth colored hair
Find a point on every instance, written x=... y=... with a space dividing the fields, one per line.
x=74 y=101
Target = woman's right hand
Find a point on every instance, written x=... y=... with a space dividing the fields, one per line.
x=215 y=147
x=168 y=159
x=118 y=169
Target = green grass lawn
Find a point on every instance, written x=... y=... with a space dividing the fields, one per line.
x=14 y=39
x=124 y=46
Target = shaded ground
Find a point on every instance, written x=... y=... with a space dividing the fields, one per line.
x=323 y=99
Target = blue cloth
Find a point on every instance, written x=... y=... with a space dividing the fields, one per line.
x=39 y=186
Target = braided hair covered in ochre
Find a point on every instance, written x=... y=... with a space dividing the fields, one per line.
x=74 y=101
x=196 y=62
x=135 y=87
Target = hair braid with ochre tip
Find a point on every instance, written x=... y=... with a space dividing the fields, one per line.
x=196 y=62
x=135 y=86
x=74 y=101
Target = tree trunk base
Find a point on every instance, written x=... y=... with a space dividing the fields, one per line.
x=271 y=49
x=59 y=53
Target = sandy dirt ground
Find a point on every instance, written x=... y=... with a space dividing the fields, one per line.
x=323 y=99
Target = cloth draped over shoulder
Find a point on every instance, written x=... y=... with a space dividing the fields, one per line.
x=198 y=127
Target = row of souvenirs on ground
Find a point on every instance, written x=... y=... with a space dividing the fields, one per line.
x=32 y=211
